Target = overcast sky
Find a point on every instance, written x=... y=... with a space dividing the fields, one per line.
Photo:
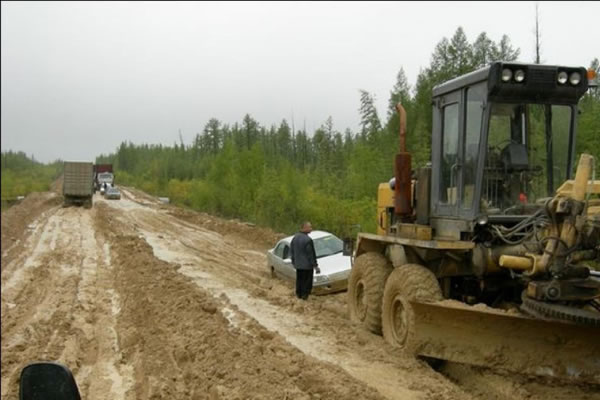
x=80 y=78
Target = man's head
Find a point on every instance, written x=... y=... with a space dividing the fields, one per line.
x=306 y=227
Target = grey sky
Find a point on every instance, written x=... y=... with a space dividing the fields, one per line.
x=79 y=78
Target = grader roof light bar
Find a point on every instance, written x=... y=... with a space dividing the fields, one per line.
x=513 y=82
x=526 y=83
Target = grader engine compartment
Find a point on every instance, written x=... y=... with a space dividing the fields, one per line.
x=489 y=261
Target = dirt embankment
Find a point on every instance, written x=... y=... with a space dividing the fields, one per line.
x=16 y=220
x=146 y=301
x=258 y=237
x=251 y=235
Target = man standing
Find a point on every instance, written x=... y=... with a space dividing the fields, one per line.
x=304 y=260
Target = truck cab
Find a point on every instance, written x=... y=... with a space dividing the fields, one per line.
x=105 y=178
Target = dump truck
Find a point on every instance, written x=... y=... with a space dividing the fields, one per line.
x=78 y=183
x=485 y=255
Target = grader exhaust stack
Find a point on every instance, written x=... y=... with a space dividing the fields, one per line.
x=402 y=189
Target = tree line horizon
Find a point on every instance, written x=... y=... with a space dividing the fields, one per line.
x=277 y=176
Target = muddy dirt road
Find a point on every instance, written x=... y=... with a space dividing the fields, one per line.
x=148 y=301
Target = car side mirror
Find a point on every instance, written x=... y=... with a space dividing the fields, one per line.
x=47 y=381
x=348 y=247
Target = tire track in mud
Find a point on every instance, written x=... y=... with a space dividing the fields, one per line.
x=52 y=294
x=241 y=277
x=22 y=326
x=181 y=343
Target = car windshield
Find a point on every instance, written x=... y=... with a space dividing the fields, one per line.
x=328 y=245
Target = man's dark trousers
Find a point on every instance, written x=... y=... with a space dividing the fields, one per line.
x=304 y=283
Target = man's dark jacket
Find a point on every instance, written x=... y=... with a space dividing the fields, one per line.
x=303 y=251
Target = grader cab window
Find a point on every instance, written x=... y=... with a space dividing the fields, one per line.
x=449 y=154
x=527 y=158
x=475 y=97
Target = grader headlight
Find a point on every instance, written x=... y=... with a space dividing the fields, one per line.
x=519 y=75
x=506 y=75
x=562 y=77
x=575 y=78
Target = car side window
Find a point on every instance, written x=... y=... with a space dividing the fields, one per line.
x=279 y=250
x=286 y=252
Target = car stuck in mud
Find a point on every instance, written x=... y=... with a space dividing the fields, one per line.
x=112 y=193
x=334 y=265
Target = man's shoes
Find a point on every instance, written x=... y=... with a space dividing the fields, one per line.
x=304 y=297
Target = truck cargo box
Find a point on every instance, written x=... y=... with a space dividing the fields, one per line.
x=78 y=182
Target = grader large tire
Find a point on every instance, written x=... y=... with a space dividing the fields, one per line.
x=365 y=289
x=408 y=282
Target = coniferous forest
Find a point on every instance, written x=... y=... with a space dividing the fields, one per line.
x=278 y=176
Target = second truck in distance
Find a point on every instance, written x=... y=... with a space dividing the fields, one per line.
x=103 y=173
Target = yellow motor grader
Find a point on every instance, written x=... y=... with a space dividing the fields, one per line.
x=485 y=256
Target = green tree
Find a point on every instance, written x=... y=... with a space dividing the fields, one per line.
x=460 y=53
x=504 y=51
x=250 y=130
x=400 y=93
x=213 y=137
x=284 y=140
x=483 y=50
x=370 y=125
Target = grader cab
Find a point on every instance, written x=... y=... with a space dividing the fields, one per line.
x=485 y=255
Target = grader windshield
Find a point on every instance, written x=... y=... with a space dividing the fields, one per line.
x=528 y=155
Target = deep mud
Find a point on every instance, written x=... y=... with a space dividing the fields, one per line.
x=147 y=301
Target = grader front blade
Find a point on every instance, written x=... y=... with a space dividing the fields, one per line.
x=486 y=337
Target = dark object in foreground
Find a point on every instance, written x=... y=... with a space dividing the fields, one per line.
x=47 y=381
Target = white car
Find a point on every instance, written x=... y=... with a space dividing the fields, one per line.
x=112 y=193
x=335 y=267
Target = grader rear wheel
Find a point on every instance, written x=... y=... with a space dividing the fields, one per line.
x=365 y=289
x=408 y=282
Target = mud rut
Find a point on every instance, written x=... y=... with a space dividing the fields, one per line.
x=142 y=304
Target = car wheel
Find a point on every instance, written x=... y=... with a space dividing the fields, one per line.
x=365 y=289
x=406 y=283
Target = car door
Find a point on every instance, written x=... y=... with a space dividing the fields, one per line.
x=277 y=258
x=287 y=266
